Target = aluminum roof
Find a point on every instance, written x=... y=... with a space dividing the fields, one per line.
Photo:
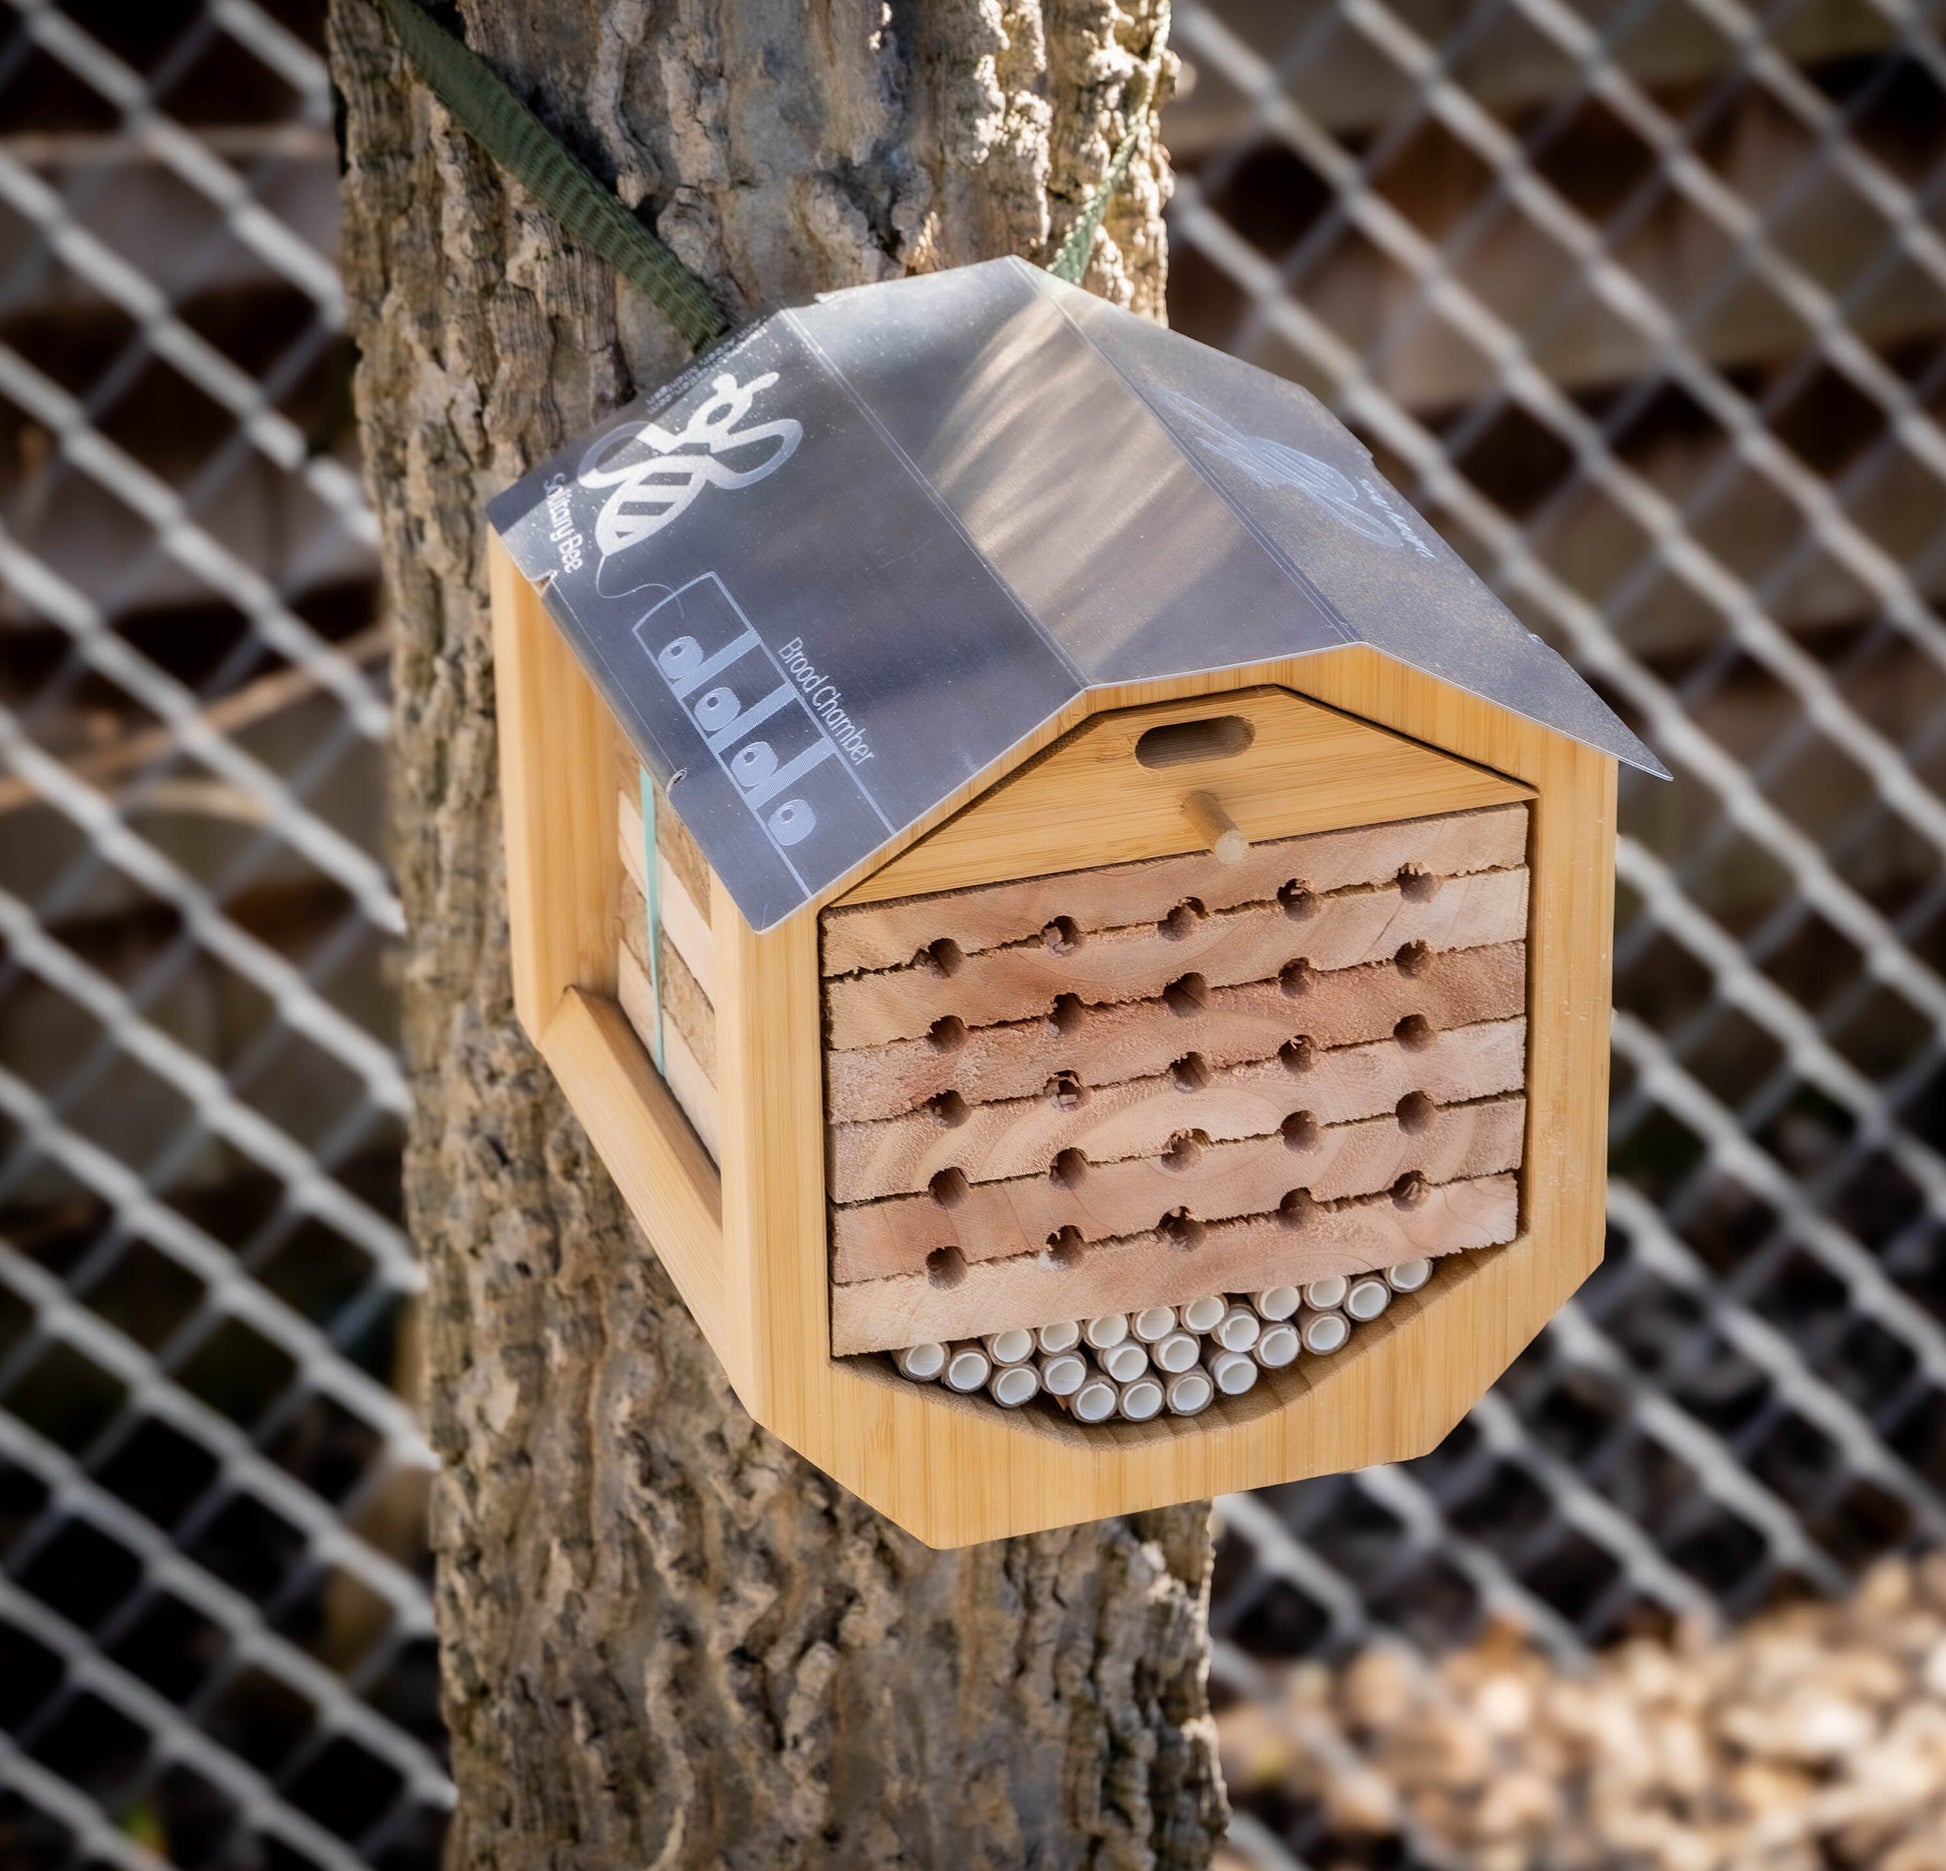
x=842 y=564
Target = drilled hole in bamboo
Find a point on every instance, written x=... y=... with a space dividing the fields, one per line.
x=1296 y=1208
x=947 y=1033
x=949 y=1110
x=1299 y=900
x=1295 y=977
x=1415 y=1032
x=1301 y=1131
x=948 y=1188
x=1413 y=959
x=1184 y=743
x=1415 y=1113
x=1065 y=1091
x=1064 y=1248
x=1190 y=1072
x=1181 y=1229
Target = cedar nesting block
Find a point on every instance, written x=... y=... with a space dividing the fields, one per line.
x=1017 y=835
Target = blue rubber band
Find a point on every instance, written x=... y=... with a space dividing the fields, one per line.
x=650 y=867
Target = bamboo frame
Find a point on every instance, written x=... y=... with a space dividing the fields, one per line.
x=952 y=1469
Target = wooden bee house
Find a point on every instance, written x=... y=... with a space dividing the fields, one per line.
x=1079 y=927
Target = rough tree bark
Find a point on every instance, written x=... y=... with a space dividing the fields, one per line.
x=666 y=1640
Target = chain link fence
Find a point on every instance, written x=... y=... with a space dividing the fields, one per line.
x=215 y=1635
x=1642 y=301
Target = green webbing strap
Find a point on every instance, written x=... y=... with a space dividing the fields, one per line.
x=480 y=103
x=528 y=150
x=651 y=882
x=1072 y=261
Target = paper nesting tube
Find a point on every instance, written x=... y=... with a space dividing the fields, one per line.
x=1277 y=1346
x=1013 y=1384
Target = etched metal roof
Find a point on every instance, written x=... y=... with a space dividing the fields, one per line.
x=842 y=564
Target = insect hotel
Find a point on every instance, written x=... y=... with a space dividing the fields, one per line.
x=1079 y=927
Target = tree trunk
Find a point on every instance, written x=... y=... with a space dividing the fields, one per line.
x=667 y=1640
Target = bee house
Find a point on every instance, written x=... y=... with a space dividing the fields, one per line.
x=1078 y=925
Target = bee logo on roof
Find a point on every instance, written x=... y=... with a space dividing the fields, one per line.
x=657 y=475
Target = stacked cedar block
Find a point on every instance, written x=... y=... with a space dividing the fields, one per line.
x=1063 y=1107
x=1137 y=1088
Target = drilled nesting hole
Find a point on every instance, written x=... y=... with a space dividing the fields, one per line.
x=1181 y=1229
x=1065 y=1091
x=1065 y=1016
x=948 y=1188
x=1301 y=1131
x=1062 y=936
x=1417 y=884
x=1297 y=1208
x=947 y=1033
x=1069 y=1170
x=1182 y=920
x=1415 y=1032
x=1415 y=1113
x=1299 y=1054
x=1411 y=1190
x=1064 y=1248
x=941 y=959
x=1190 y=1073
x=1186 y=996
x=1299 y=900
x=945 y=1268
x=1413 y=959
x=1182 y=1150
x=949 y=1110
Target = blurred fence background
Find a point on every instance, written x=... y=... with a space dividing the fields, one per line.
x=1642 y=301
x=215 y=1637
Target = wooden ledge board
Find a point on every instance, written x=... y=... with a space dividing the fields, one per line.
x=641 y=1135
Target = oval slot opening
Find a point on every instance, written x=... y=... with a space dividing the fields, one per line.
x=1183 y=743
